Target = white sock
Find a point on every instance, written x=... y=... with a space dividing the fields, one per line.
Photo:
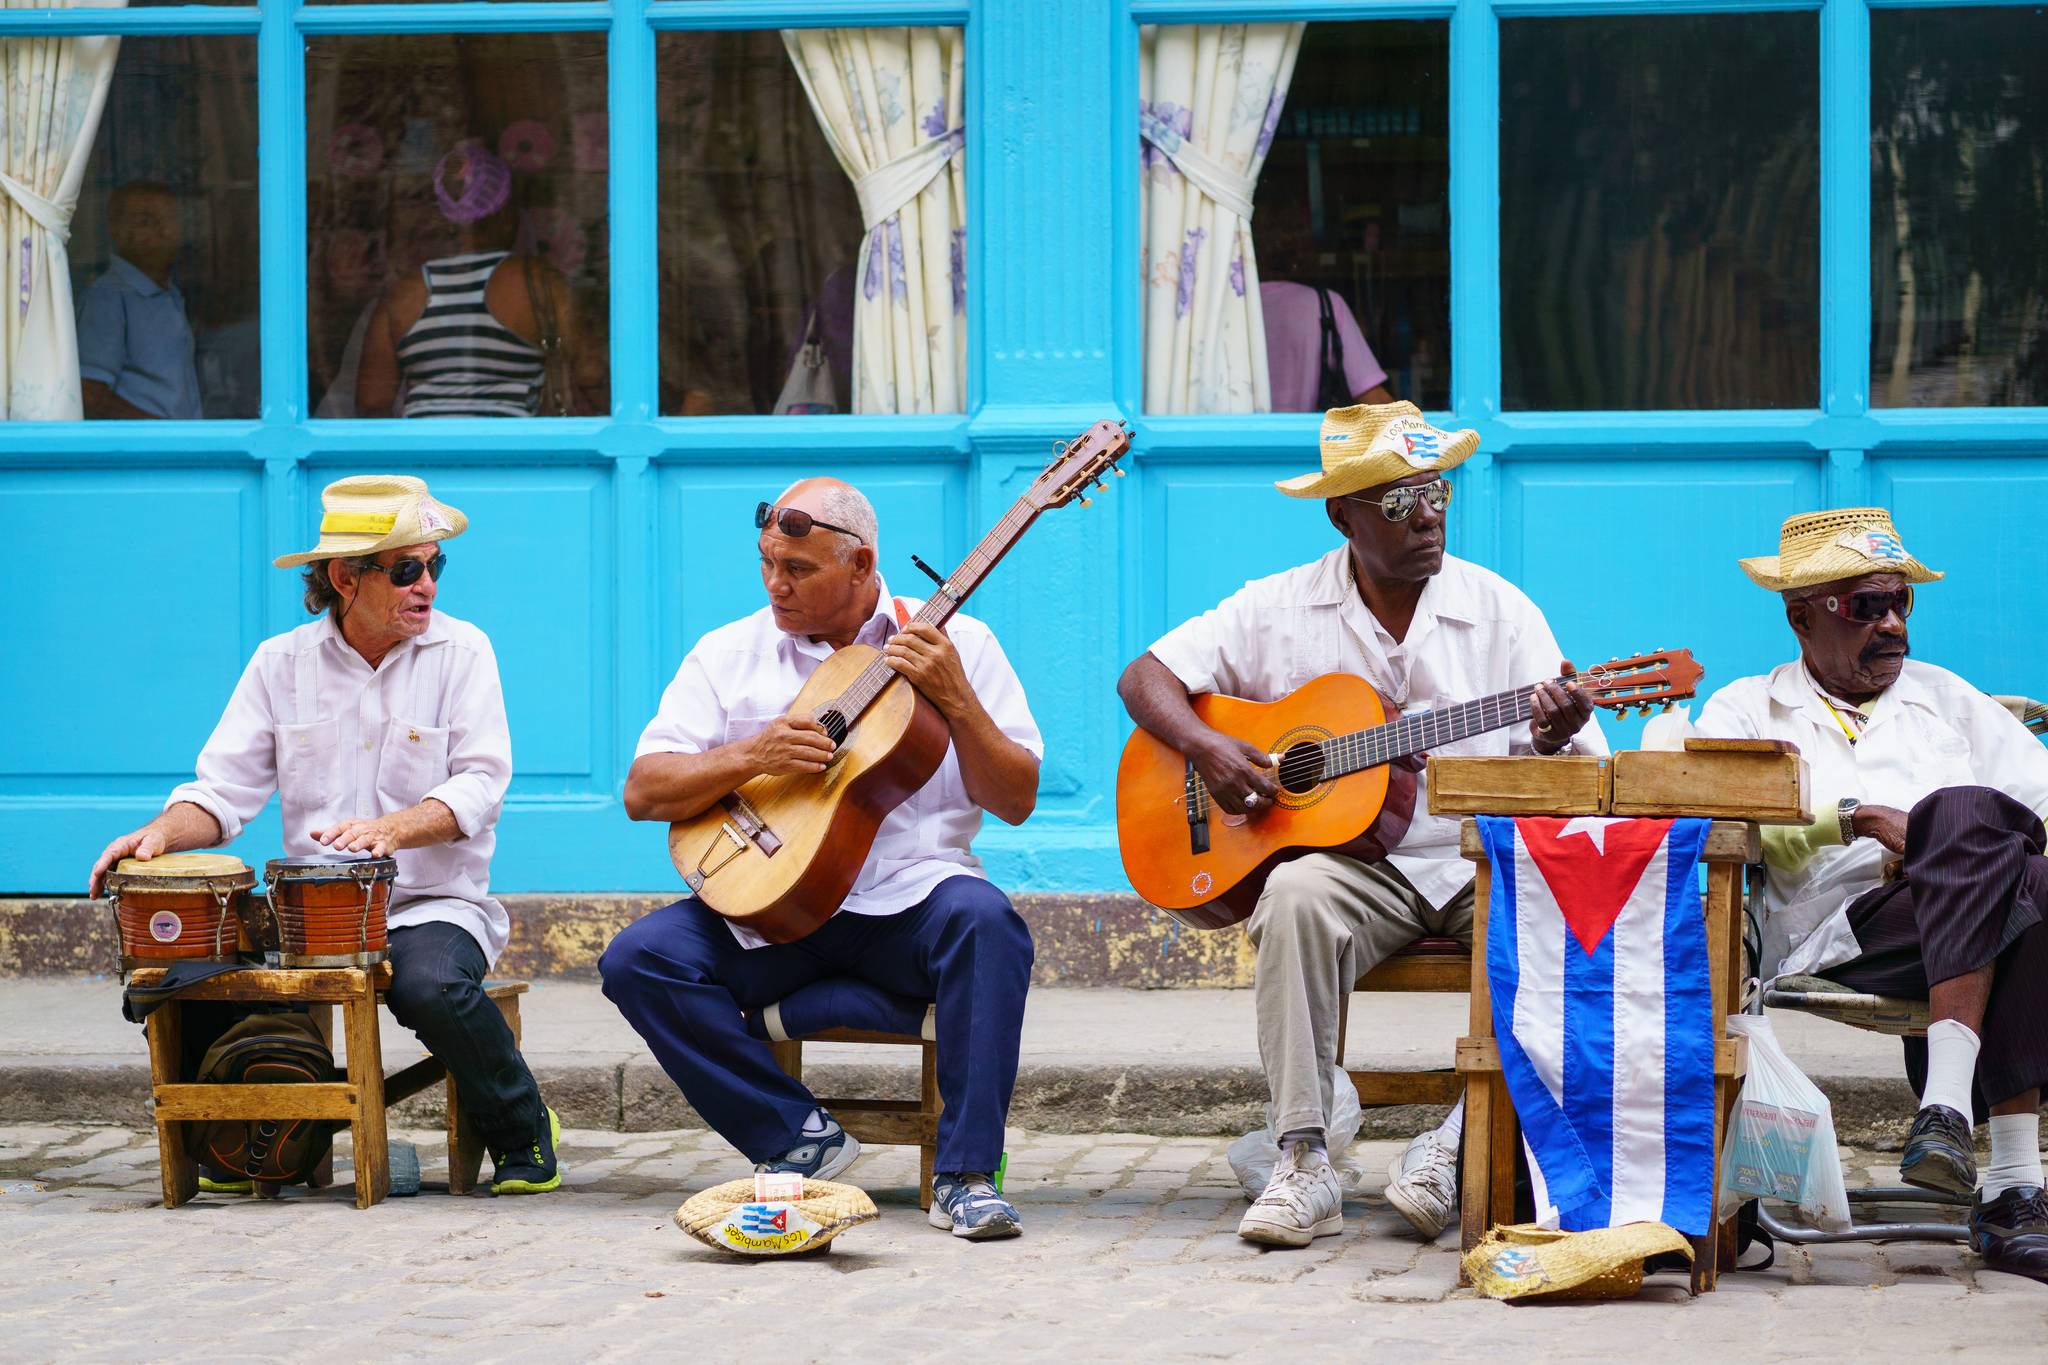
x=1318 y=1144
x=815 y=1124
x=2015 y=1153
x=1453 y=1127
x=1951 y=1063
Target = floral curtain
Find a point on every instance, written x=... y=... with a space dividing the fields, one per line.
x=52 y=91
x=889 y=101
x=1209 y=98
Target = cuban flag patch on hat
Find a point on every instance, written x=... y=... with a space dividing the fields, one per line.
x=1879 y=546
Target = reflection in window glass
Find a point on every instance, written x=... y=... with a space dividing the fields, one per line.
x=760 y=233
x=1660 y=212
x=456 y=205
x=1959 y=207
x=1352 y=210
x=163 y=242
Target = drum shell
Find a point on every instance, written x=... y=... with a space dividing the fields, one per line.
x=210 y=915
x=320 y=917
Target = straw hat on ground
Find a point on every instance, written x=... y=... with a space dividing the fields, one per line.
x=366 y=514
x=1529 y=1262
x=1823 y=547
x=1366 y=445
x=730 y=1217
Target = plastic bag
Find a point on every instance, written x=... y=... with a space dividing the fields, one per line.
x=1781 y=1144
x=1253 y=1156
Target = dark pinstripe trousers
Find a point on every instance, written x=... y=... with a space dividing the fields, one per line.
x=1974 y=894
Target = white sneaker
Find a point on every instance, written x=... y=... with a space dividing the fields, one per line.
x=1423 y=1184
x=1302 y=1202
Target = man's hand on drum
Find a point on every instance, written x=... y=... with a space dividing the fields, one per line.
x=147 y=842
x=1239 y=776
x=1557 y=711
x=379 y=838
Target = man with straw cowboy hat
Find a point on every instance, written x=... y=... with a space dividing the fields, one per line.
x=1914 y=771
x=1426 y=629
x=381 y=726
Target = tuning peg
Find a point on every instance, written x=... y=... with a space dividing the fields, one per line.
x=1101 y=487
x=1119 y=470
x=1086 y=502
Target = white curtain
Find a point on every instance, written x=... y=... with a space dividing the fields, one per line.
x=1209 y=99
x=889 y=101
x=51 y=93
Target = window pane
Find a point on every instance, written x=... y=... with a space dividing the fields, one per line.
x=1353 y=201
x=163 y=242
x=456 y=211
x=1660 y=181
x=1959 y=207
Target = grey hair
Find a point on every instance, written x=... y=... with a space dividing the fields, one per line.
x=844 y=505
x=320 y=594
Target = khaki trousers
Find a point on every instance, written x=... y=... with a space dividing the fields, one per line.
x=1323 y=921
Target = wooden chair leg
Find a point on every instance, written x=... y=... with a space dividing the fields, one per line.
x=322 y=1015
x=928 y=1123
x=366 y=1074
x=180 y=1172
x=465 y=1146
x=790 y=1057
x=1503 y=1147
x=1476 y=1197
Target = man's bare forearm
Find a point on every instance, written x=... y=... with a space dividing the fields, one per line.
x=1001 y=775
x=667 y=787
x=1158 y=701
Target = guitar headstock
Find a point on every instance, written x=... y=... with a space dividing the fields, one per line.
x=1079 y=463
x=1642 y=681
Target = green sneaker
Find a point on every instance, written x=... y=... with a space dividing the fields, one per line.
x=533 y=1170
x=209 y=1185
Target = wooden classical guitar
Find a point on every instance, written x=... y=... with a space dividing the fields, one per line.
x=779 y=854
x=1346 y=774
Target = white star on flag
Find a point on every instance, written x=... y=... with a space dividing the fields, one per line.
x=1592 y=826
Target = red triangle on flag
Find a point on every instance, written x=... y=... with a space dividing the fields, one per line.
x=1591 y=875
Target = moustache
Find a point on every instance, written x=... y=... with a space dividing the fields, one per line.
x=1876 y=648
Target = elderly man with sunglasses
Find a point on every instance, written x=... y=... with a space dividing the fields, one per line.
x=1923 y=876
x=381 y=727
x=922 y=923
x=1427 y=630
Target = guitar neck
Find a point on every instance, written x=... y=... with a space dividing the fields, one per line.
x=1423 y=731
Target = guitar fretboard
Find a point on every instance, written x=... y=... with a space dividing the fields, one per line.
x=1423 y=731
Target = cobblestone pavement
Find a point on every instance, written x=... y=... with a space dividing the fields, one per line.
x=1130 y=1250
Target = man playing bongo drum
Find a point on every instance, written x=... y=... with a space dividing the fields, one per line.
x=381 y=726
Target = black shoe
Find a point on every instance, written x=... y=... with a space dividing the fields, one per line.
x=2011 y=1232
x=532 y=1169
x=1940 y=1154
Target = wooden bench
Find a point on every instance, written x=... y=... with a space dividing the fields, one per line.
x=886 y=1123
x=1434 y=965
x=358 y=1100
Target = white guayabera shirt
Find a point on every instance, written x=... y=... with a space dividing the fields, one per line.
x=1474 y=634
x=741 y=676
x=311 y=721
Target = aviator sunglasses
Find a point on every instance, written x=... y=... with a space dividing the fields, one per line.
x=1397 y=503
x=1868 y=608
x=407 y=572
x=794 y=523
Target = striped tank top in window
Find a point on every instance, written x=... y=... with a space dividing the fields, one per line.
x=458 y=360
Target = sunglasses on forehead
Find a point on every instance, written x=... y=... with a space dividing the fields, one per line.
x=794 y=523
x=1867 y=608
x=407 y=572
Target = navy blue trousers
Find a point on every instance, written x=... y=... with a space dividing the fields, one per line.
x=685 y=985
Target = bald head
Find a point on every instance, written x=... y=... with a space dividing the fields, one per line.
x=839 y=503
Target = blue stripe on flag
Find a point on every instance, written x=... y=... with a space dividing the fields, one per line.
x=1688 y=1040
x=1589 y=1070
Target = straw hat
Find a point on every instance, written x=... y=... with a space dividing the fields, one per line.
x=1366 y=445
x=1821 y=547
x=1527 y=1262
x=730 y=1218
x=368 y=513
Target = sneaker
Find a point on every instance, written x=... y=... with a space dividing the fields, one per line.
x=2011 y=1232
x=969 y=1204
x=1423 y=1184
x=818 y=1157
x=1302 y=1202
x=1940 y=1154
x=214 y=1180
x=530 y=1170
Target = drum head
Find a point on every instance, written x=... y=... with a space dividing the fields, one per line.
x=173 y=868
x=340 y=867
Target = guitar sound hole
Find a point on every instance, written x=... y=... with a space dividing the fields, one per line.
x=835 y=725
x=1301 y=768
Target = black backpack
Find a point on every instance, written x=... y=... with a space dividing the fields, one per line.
x=267 y=1049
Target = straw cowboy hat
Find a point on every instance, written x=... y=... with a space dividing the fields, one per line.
x=369 y=513
x=1822 y=547
x=731 y=1217
x=1529 y=1262
x=1366 y=445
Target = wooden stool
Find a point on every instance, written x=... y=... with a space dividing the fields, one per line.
x=1436 y=965
x=465 y=1143
x=886 y=1123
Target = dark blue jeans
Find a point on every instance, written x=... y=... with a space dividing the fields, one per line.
x=685 y=985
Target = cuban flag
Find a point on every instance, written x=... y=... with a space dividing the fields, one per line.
x=1596 y=951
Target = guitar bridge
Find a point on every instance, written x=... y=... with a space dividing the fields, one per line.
x=745 y=828
x=1198 y=812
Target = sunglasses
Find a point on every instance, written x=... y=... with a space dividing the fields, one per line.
x=407 y=572
x=1868 y=608
x=794 y=523
x=1396 y=504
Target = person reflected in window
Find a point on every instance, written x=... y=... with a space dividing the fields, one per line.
x=1316 y=356
x=469 y=335
x=134 y=341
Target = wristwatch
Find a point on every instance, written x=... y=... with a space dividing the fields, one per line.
x=1845 y=814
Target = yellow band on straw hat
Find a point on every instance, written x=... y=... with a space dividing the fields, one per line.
x=1367 y=445
x=1824 y=547
x=366 y=514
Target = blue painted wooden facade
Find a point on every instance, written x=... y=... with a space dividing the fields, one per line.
x=136 y=556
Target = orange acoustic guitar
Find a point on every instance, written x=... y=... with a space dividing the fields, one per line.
x=779 y=854
x=1346 y=775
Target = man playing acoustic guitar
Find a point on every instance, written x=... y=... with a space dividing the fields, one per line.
x=922 y=921
x=1426 y=630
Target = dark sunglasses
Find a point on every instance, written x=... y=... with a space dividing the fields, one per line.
x=1868 y=608
x=794 y=523
x=407 y=572
x=1396 y=504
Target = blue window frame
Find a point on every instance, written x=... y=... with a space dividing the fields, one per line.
x=1622 y=525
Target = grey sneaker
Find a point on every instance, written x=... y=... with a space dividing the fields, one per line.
x=968 y=1204
x=820 y=1156
x=1423 y=1184
x=1302 y=1202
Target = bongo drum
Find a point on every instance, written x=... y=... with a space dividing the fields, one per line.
x=181 y=906
x=328 y=910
